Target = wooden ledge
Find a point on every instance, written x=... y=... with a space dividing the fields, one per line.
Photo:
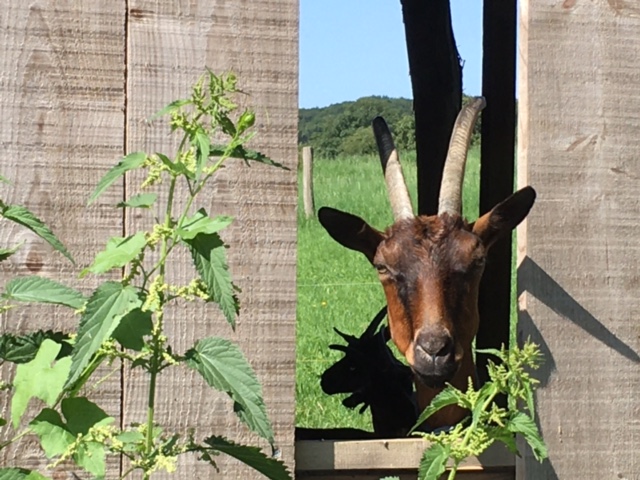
x=394 y=454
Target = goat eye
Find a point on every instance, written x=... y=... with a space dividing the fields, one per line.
x=382 y=269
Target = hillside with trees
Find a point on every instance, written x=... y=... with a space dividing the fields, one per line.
x=344 y=129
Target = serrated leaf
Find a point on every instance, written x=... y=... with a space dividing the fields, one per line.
x=433 y=462
x=200 y=222
x=225 y=368
x=251 y=456
x=142 y=200
x=20 y=474
x=448 y=396
x=132 y=329
x=524 y=425
x=118 y=252
x=43 y=290
x=54 y=436
x=7 y=252
x=50 y=374
x=128 y=162
x=23 y=348
x=209 y=257
x=502 y=435
x=103 y=312
x=22 y=216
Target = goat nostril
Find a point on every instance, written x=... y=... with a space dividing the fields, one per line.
x=437 y=348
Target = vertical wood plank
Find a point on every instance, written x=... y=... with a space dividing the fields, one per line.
x=307 y=182
x=61 y=101
x=170 y=44
x=497 y=168
x=580 y=254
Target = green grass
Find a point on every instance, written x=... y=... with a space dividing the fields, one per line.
x=338 y=287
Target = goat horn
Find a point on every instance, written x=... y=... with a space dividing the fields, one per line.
x=340 y=348
x=451 y=188
x=375 y=323
x=396 y=187
x=348 y=338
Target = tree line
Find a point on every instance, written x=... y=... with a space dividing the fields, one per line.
x=344 y=129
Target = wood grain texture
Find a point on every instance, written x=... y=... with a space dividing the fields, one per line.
x=61 y=104
x=391 y=455
x=170 y=44
x=579 y=254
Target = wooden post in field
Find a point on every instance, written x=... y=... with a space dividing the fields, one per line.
x=307 y=181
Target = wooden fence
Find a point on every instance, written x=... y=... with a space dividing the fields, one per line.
x=78 y=79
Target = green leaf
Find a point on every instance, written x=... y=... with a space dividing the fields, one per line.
x=200 y=222
x=103 y=312
x=50 y=377
x=251 y=456
x=22 y=216
x=23 y=348
x=203 y=144
x=209 y=257
x=20 y=474
x=175 y=105
x=3 y=422
x=523 y=424
x=129 y=162
x=132 y=329
x=509 y=439
x=43 y=290
x=118 y=252
x=177 y=168
x=81 y=414
x=225 y=368
x=448 y=396
x=433 y=462
x=54 y=435
x=4 y=180
x=142 y=200
x=7 y=252
x=245 y=154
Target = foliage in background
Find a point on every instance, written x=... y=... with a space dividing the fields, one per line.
x=344 y=129
x=126 y=320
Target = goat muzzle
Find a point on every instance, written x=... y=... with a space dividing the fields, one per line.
x=434 y=358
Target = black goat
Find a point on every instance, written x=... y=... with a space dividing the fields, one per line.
x=375 y=378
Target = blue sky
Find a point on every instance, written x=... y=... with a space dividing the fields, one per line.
x=348 y=51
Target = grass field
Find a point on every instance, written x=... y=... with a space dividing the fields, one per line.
x=338 y=287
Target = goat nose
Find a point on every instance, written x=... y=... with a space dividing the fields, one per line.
x=435 y=344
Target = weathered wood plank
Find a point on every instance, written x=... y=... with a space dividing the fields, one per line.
x=61 y=101
x=390 y=455
x=170 y=43
x=579 y=253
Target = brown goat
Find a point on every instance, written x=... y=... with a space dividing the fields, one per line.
x=430 y=266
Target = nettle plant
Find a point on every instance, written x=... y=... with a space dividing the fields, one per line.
x=125 y=320
x=487 y=422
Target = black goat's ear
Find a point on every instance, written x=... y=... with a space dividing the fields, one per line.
x=350 y=231
x=505 y=216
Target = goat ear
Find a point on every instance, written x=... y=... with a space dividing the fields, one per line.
x=350 y=231
x=505 y=216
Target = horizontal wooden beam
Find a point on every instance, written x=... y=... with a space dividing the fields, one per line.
x=393 y=454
